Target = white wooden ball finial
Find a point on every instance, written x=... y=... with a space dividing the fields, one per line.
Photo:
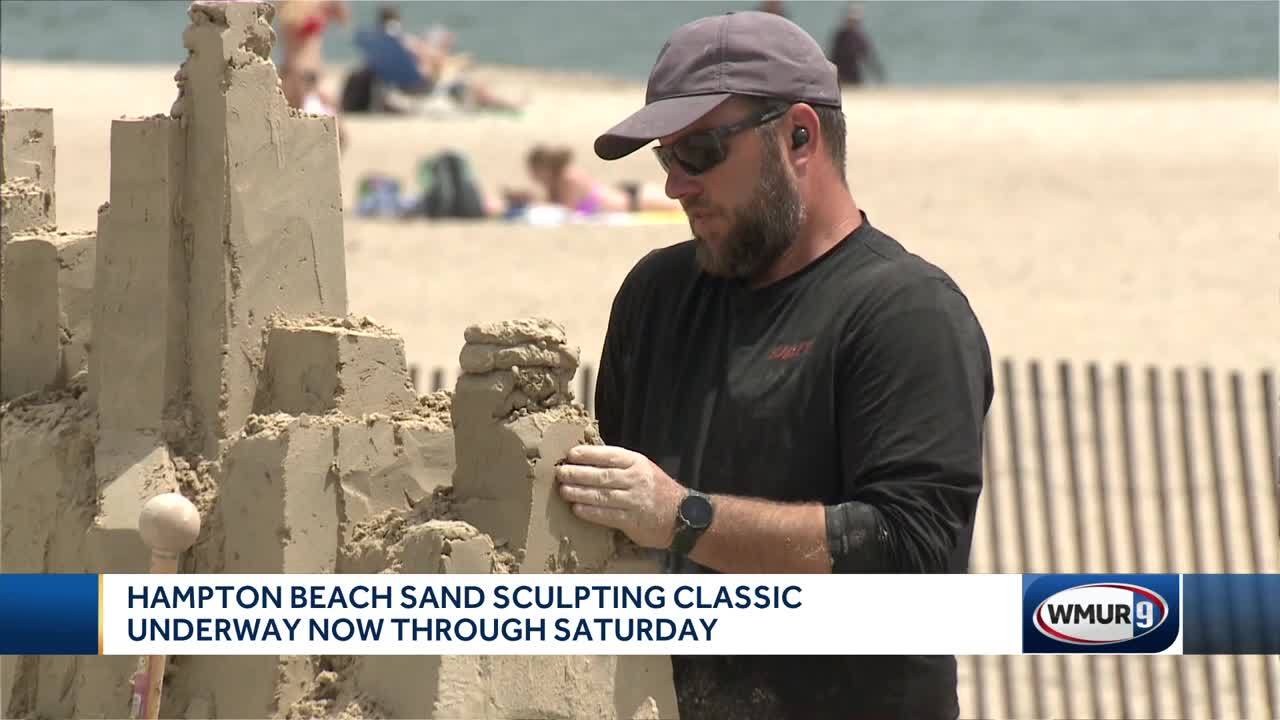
x=169 y=523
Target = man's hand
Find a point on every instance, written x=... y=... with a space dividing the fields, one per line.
x=622 y=489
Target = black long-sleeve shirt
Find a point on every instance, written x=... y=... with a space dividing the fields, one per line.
x=860 y=382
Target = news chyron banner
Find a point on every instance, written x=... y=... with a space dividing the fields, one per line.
x=638 y=614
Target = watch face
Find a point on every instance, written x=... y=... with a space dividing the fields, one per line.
x=696 y=511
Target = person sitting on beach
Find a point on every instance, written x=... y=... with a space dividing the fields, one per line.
x=570 y=185
x=429 y=51
x=442 y=70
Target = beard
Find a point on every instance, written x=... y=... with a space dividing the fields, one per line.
x=761 y=230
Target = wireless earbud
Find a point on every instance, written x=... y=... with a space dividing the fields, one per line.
x=799 y=137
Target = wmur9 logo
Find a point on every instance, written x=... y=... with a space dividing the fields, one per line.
x=1100 y=613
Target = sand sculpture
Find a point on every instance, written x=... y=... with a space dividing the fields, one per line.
x=199 y=341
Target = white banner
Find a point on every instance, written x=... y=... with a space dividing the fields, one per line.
x=562 y=614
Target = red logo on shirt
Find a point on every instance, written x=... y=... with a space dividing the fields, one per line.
x=792 y=351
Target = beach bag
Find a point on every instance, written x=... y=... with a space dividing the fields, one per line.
x=357 y=92
x=449 y=189
x=379 y=195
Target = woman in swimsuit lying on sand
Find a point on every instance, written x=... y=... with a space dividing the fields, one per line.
x=571 y=186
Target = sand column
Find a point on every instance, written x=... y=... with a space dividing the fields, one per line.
x=138 y=367
x=136 y=364
x=45 y=292
x=29 y=307
x=27 y=170
x=263 y=205
x=514 y=420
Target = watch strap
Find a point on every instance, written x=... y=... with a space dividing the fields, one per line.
x=686 y=537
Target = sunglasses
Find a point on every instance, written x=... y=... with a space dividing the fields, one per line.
x=701 y=151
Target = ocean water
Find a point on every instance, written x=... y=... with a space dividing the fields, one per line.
x=922 y=43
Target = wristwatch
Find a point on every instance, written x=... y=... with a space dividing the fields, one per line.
x=693 y=517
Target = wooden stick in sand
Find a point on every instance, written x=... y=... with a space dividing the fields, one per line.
x=169 y=525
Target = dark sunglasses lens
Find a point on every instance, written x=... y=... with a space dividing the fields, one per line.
x=698 y=153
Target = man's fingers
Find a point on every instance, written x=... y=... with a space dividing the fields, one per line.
x=599 y=496
x=609 y=517
x=591 y=475
x=600 y=456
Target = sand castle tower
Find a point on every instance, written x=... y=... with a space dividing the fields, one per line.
x=51 y=272
x=199 y=340
x=206 y=204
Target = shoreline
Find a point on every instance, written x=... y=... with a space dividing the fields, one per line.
x=586 y=80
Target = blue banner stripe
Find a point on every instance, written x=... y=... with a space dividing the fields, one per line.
x=1231 y=614
x=48 y=614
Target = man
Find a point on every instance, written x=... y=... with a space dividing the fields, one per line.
x=852 y=50
x=790 y=391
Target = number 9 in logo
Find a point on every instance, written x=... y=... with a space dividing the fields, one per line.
x=1144 y=614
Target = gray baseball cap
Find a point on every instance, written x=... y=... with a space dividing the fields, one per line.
x=707 y=61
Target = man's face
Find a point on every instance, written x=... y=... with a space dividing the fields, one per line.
x=746 y=211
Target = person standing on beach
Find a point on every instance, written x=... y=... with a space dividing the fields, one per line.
x=853 y=52
x=777 y=7
x=303 y=24
x=791 y=391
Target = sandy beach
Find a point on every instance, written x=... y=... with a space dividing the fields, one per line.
x=1112 y=224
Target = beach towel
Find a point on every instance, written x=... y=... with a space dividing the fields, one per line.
x=544 y=215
